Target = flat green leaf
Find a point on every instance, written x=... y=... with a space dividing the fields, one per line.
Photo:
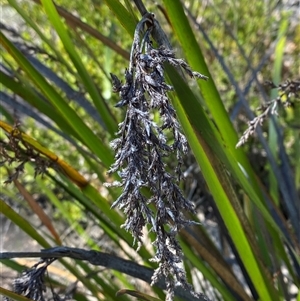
x=123 y=15
x=67 y=169
x=137 y=294
x=13 y=265
x=272 y=135
x=235 y=159
x=5 y=113
x=38 y=210
x=207 y=272
x=12 y=295
x=196 y=60
x=22 y=223
x=83 y=73
x=29 y=95
x=63 y=109
x=215 y=262
x=30 y=23
x=198 y=131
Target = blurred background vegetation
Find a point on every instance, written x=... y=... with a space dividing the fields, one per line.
x=56 y=88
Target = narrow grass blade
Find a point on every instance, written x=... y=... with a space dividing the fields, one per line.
x=137 y=294
x=75 y=176
x=12 y=295
x=31 y=96
x=27 y=228
x=123 y=15
x=76 y=22
x=210 y=94
x=207 y=272
x=31 y=24
x=38 y=210
x=110 y=229
x=194 y=55
x=4 y=113
x=22 y=224
x=83 y=73
x=63 y=109
x=219 y=184
x=65 y=212
x=217 y=265
x=272 y=130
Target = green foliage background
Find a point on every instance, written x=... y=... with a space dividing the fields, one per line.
x=252 y=191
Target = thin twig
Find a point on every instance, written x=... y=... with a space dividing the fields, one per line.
x=102 y=259
x=141 y=7
x=74 y=21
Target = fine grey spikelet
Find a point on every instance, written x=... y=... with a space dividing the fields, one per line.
x=141 y=150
